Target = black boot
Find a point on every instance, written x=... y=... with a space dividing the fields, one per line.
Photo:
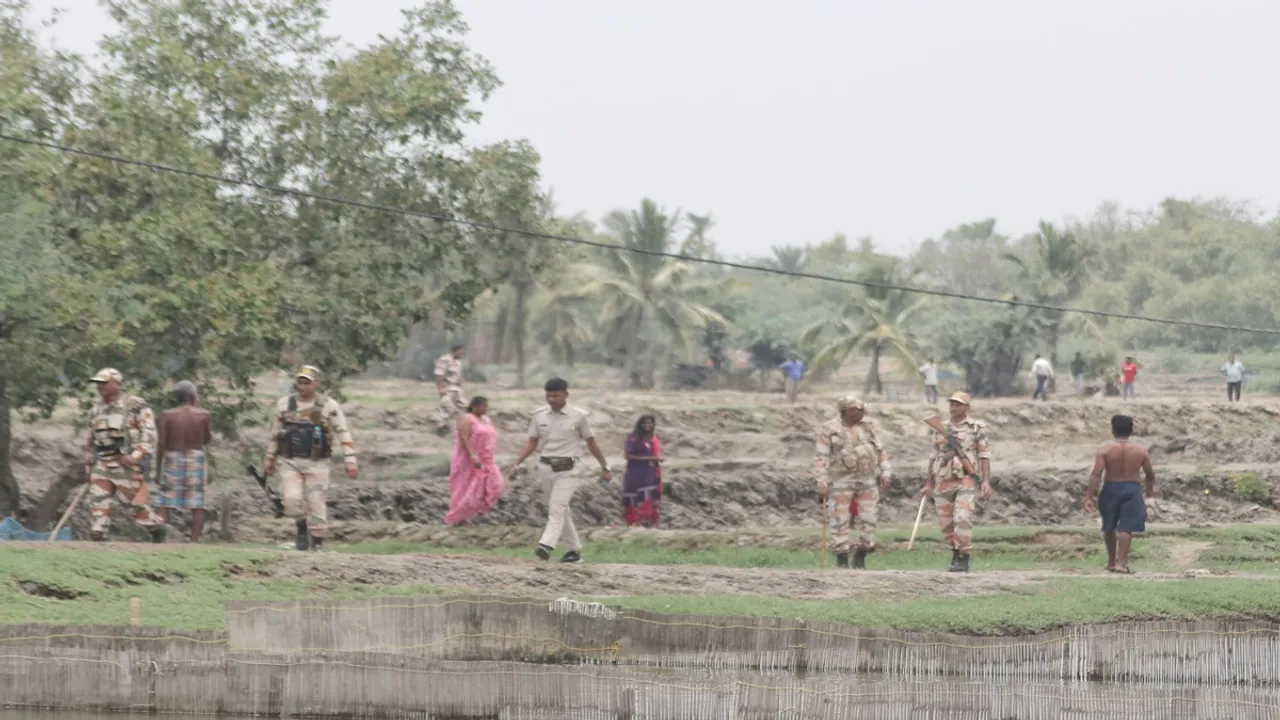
x=159 y=534
x=304 y=537
x=317 y=543
x=961 y=564
x=955 y=558
x=860 y=559
x=842 y=560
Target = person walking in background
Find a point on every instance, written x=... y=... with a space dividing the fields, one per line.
x=184 y=434
x=1234 y=371
x=794 y=370
x=1042 y=372
x=448 y=374
x=1129 y=379
x=1078 y=366
x=930 y=372
x=642 y=483
x=557 y=432
x=475 y=480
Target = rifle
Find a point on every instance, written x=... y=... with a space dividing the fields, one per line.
x=935 y=422
x=277 y=504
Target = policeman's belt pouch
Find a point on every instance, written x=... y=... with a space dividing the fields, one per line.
x=559 y=464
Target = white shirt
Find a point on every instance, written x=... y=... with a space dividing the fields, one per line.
x=560 y=434
x=1042 y=368
x=1234 y=371
x=930 y=373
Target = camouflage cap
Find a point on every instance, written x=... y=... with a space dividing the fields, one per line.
x=960 y=397
x=850 y=402
x=310 y=372
x=107 y=375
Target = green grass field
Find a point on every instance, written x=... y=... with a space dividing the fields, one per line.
x=187 y=587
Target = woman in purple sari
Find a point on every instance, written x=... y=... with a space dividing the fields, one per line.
x=642 y=485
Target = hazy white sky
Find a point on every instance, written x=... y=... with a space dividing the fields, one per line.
x=789 y=122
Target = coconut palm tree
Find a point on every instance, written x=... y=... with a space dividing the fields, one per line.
x=1057 y=266
x=874 y=321
x=644 y=293
x=788 y=258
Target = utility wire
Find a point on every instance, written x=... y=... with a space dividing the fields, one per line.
x=480 y=225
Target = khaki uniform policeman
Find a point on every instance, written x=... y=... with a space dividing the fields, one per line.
x=558 y=432
x=850 y=465
x=121 y=446
x=302 y=437
x=954 y=491
x=448 y=374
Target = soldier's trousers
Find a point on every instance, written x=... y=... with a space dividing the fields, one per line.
x=840 y=518
x=110 y=484
x=954 y=502
x=451 y=404
x=304 y=488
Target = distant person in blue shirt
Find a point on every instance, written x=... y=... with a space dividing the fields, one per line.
x=794 y=368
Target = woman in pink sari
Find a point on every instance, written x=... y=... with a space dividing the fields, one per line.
x=475 y=482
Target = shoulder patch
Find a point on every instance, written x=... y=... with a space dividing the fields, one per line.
x=135 y=403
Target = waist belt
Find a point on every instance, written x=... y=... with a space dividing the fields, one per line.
x=559 y=464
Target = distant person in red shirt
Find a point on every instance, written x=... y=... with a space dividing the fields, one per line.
x=1128 y=376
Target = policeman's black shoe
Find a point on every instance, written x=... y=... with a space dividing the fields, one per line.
x=304 y=538
x=317 y=543
x=98 y=536
x=961 y=564
x=573 y=557
x=842 y=560
x=159 y=534
x=543 y=552
x=860 y=559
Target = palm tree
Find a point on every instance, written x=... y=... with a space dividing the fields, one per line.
x=1058 y=269
x=641 y=290
x=788 y=258
x=874 y=321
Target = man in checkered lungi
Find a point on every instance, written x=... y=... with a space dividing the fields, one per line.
x=185 y=431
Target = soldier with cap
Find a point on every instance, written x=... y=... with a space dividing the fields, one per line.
x=448 y=374
x=302 y=436
x=954 y=486
x=850 y=465
x=122 y=440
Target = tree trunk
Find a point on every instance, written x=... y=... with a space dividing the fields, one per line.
x=10 y=494
x=50 y=509
x=873 y=375
x=522 y=289
x=1055 y=328
x=633 y=349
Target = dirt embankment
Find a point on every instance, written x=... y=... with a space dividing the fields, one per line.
x=736 y=459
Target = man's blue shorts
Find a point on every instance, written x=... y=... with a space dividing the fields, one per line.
x=1122 y=507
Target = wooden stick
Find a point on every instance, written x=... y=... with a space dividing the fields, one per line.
x=823 y=562
x=67 y=515
x=135 y=610
x=919 y=513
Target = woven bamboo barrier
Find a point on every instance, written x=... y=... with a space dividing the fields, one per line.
x=497 y=629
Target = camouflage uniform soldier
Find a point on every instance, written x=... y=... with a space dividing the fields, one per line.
x=305 y=425
x=122 y=439
x=850 y=459
x=954 y=490
x=448 y=375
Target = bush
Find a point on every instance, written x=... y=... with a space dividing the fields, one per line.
x=1251 y=488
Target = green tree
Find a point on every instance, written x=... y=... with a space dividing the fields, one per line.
x=1055 y=268
x=788 y=258
x=875 y=321
x=639 y=290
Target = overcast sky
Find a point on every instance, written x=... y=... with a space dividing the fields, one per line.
x=790 y=122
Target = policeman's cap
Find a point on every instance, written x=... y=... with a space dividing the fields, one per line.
x=106 y=375
x=850 y=402
x=961 y=397
x=310 y=372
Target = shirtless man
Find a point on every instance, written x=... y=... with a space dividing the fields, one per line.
x=1122 y=503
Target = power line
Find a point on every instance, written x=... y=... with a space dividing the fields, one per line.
x=480 y=225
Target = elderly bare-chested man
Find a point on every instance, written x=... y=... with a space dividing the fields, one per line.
x=1122 y=502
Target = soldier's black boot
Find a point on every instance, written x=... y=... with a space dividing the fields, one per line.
x=961 y=564
x=842 y=560
x=317 y=543
x=304 y=537
x=955 y=558
x=860 y=559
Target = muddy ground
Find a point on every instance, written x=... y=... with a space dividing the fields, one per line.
x=740 y=459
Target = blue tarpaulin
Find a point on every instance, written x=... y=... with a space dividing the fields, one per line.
x=11 y=529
